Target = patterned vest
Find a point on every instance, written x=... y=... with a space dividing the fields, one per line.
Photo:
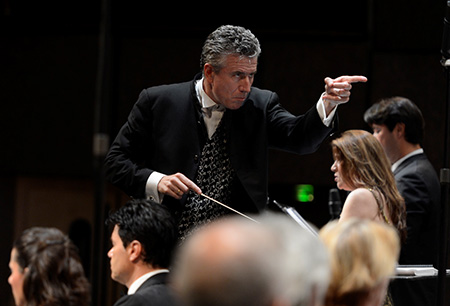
x=214 y=176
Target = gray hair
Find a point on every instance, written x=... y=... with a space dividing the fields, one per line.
x=227 y=40
x=303 y=269
x=235 y=262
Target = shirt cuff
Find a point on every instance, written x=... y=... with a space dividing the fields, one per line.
x=151 y=188
x=322 y=114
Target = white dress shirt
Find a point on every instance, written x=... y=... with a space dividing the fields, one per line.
x=212 y=118
x=138 y=283
x=211 y=122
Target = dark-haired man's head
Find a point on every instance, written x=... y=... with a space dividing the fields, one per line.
x=143 y=240
x=398 y=124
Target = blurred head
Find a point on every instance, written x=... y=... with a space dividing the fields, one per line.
x=237 y=262
x=363 y=258
x=16 y=279
x=229 y=63
x=46 y=270
x=392 y=115
x=145 y=233
x=304 y=268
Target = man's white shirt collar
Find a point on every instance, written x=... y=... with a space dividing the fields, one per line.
x=204 y=99
x=398 y=162
x=138 y=283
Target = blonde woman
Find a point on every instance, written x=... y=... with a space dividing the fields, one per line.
x=361 y=167
x=363 y=255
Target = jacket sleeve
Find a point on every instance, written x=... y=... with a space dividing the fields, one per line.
x=301 y=134
x=125 y=161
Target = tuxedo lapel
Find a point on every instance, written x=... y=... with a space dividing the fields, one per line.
x=201 y=127
x=408 y=161
x=160 y=278
x=144 y=295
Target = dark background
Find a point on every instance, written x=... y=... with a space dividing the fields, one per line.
x=48 y=71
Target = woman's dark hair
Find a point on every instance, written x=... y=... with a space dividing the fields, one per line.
x=53 y=272
x=152 y=225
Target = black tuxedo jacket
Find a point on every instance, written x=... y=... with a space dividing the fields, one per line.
x=418 y=183
x=153 y=292
x=165 y=132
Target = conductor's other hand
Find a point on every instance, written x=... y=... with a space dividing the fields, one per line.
x=337 y=91
x=176 y=185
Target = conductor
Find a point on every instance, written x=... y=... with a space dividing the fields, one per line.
x=211 y=135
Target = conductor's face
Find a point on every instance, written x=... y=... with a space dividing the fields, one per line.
x=230 y=85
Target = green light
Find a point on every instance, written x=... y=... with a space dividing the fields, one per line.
x=304 y=193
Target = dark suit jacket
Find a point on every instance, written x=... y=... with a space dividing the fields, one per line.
x=418 y=183
x=165 y=132
x=153 y=292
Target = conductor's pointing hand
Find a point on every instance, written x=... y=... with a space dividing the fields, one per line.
x=337 y=91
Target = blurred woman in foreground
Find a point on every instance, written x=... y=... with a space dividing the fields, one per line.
x=363 y=256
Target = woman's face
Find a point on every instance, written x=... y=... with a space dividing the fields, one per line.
x=16 y=278
x=338 y=175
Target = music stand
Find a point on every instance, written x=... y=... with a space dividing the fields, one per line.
x=293 y=213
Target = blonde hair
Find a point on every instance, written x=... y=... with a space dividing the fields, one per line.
x=364 y=164
x=363 y=255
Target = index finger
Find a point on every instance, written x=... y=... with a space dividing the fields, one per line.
x=190 y=184
x=351 y=79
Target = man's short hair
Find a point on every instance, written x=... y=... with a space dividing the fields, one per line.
x=152 y=225
x=227 y=40
x=395 y=110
